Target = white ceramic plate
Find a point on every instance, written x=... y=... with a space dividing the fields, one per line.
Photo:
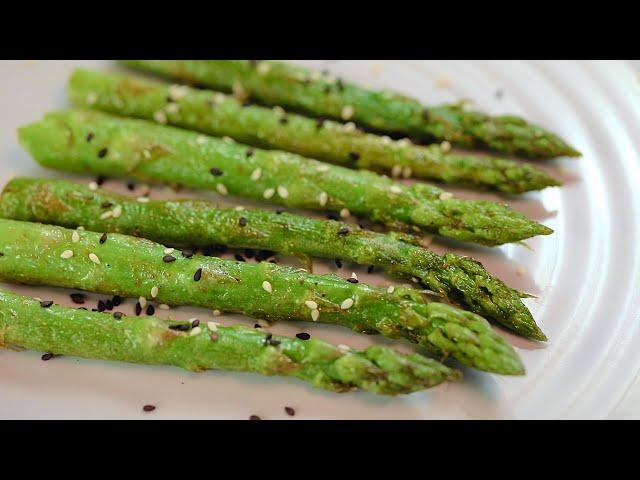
x=585 y=275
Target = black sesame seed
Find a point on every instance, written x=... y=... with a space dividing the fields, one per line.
x=138 y=309
x=249 y=152
x=290 y=411
x=355 y=156
x=338 y=263
x=100 y=179
x=149 y=408
x=195 y=323
x=89 y=137
x=249 y=253
x=198 y=275
x=77 y=298
x=187 y=253
x=103 y=153
x=280 y=210
x=343 y=231
x=109 y=304
x=107 y=204
x=117 y=300
x=1 y=254
x=46 y=303
x=183 y=327
x=216 y=172
x=269 y=340
x=257 y=325
x=242 y=221
x=46 y=356
x=284 y=120
x=333 y=216
x=103 y=238
x=303 y=336
x=131 y=185
x=352 y=280
x=254 y=417
x=239 y=257
x=101 y=306
x=168 y=259
x=118 y=315
x=151 y=309
x=370 y=269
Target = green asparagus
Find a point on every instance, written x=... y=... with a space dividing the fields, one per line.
x=89 y=141
x=291 y=86
x=221 y=115
x=133 y=267
x=192 y=223
x=25 y=323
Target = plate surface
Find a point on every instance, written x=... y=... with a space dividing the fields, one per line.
x=585 y=276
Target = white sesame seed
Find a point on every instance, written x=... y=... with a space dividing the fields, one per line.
x=390 y=289
x=354 y=276
x=283 y=192
x=445 y=147
x=216 y=313
x=415 y=228
x=219 y=98
x=396 y=171
x=239 y=208
x=222 y=190
x=107 y=214
x=239 y=92
x=347 y=112
x=93 y=186
x=177 y=92
x=94 y=258
x=143 y=199
x=168 y=251
x=160 y=117
x=80 y=228
x=228 y=139
x=322 y=168
x=142 y=301
x=75 y=237
x=256 y=174
x=146 y=153
x=386 y=140
x=195 y=331
x=348 y=303
x=164 y=306
x=66 y=254
x=349 y=127
x=344 y=348
x=172 y=108
x=91 y=99
x=154 y=292
x=263 y=68
x=213 y=326
x=395 y=189
x=267 y=287
x=269 y=192
x=201 y=140
x=279 y=111
x=323 y=198
x=407 y=172
x=117 y=211
x=404 y=142
x=345 y=213
x=315 y=314
x=446 y=195
x=311 y=304
x=415 y=279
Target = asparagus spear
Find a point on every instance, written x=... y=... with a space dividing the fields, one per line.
x=189 y=223
x=149 y=340
x=87 y=141
x=132 y=267
x=278 y=83
x=221 y=115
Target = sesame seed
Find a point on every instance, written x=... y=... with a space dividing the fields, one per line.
x=345 y=213
x=118 y=315
x=446 y=195
x=354 y=276
x=106 y=204
x=77 y=298
x=102 y=153
x=201 y=140
x=150 y=310
x=138 y=309
x=93 y=186
x=290 y=411
x=322 y=168
x=46 y=357
x=303 y=336
x=117 y=211
x=311 y=304
x=216 y=313
x=198 y=275
x=195 y=331
x=283 y=192
x=149 y=408
x=347 y=112
x=178 y=92
x=181 y=327
x=390 y=289
x=103 y=238
x=94 y=258
x=105 y=215
x=348 y=303
x=143 y=199
x=160 y=117
x=404 y=142
x=216 y=172
x=80 y=228
x=228 y=139
x=315 y=314
x=219 y=98
x=164 y=306
x=254 y=417
x=172 y=108
x=269 y=192
x=168 y=259
x=75 y=237
x=267 y=287
x=222 y=190
x=386 y=140
x=344 y=348
x=154 y=292
x=46 y=303
x=349 y=127
x=242 y=221
x=354 y=156
x=396 y=171
x=343 y=231
x=169 y=251
x=213 y=326
x=249 y=152
x=445 y=146
x=323 y=198
x=66 y=254
x=91 y=99
x=256 y=174
x=407 y=172
x=395 y=189
x=239 y=208
x=338 y=263
x=278 y=111
x=263 y=68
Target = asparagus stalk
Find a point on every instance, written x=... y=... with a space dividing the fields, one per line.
x=132 y=267
x=221 y=115
x=291 y=86
x=25 y=323
x=88 y=141
x=189 y=223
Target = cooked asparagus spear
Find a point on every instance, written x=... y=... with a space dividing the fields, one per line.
x=221 y=115
x=133 y=267
x=192 y=223
x=87 y=141
x=278 y=83
x=25 y=323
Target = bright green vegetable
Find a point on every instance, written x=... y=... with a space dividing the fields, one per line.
x=69 y=331
x=221 y=115
x=291 y=86
x=192 y=223
x=94 y=142
x=133 y=267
